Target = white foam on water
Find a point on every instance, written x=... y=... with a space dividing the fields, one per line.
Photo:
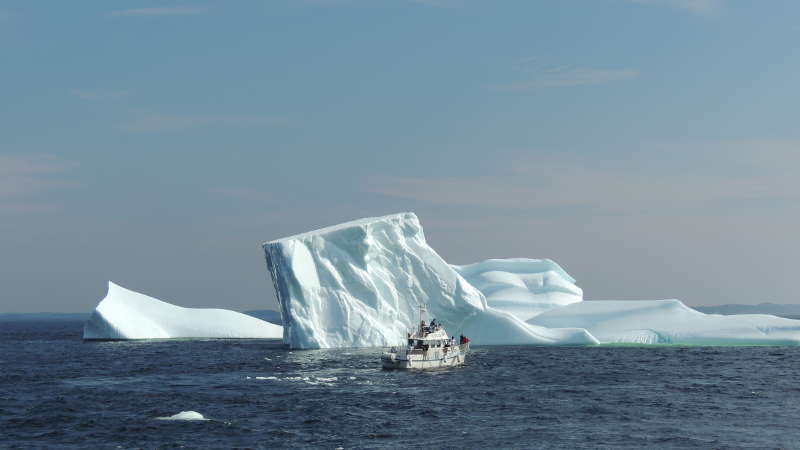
x=184 y=415
x=266 y=378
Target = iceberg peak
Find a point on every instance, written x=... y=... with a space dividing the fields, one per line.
x=408 y=218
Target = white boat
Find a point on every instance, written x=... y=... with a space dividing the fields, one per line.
x=429 y=347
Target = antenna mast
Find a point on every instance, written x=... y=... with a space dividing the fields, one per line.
x=421 y=308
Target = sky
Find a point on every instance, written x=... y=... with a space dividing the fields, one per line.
x=650 y=147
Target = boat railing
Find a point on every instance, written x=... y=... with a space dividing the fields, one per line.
x=418 y=351
x=424 y=331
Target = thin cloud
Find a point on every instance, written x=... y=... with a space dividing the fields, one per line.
x=543 y=76
x=433 y=3
x=168 y=122
x=23 y=177
x=142 y=12
x=559 y=183
x=99 y=94
x=242 y=194
x=695 y=6
x=571 y=78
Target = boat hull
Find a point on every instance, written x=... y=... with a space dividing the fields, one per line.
x=424 y=360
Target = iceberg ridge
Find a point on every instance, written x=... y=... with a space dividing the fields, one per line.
x=521 y=286
x=669 y=322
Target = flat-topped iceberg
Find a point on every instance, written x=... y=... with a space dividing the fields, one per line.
x=125 y=314
x=359 y=284
x=669 y=322
x=521 y=286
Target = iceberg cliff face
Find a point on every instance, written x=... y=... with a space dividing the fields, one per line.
x=669 y=322
x=523 y=287
x=359 y=284
x=125 y=314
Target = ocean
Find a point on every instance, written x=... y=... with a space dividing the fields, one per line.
x=57 y=391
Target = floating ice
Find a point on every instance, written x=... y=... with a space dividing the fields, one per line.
x=523 y=287
x=669 y=322
x=359 y=284
x=184 y=415
x=125 y=314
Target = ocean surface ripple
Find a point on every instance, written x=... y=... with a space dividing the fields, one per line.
x=58 y=391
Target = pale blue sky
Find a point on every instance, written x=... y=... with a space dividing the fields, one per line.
x=648 y=146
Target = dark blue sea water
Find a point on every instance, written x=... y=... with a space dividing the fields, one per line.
x=57 y=391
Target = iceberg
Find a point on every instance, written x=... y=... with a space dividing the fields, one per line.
x=184 y=415
x=669 y=322
x=361 y=283
x=521 y=286
x=125 y=314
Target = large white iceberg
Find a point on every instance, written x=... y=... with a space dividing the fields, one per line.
x=669 y=322
x=359 y=284
x=125 y=314
x=521 y=286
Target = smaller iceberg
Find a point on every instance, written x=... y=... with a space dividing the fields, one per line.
x=125 y=314
x=669 y=322
x=523 y=287
x=184 y=415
